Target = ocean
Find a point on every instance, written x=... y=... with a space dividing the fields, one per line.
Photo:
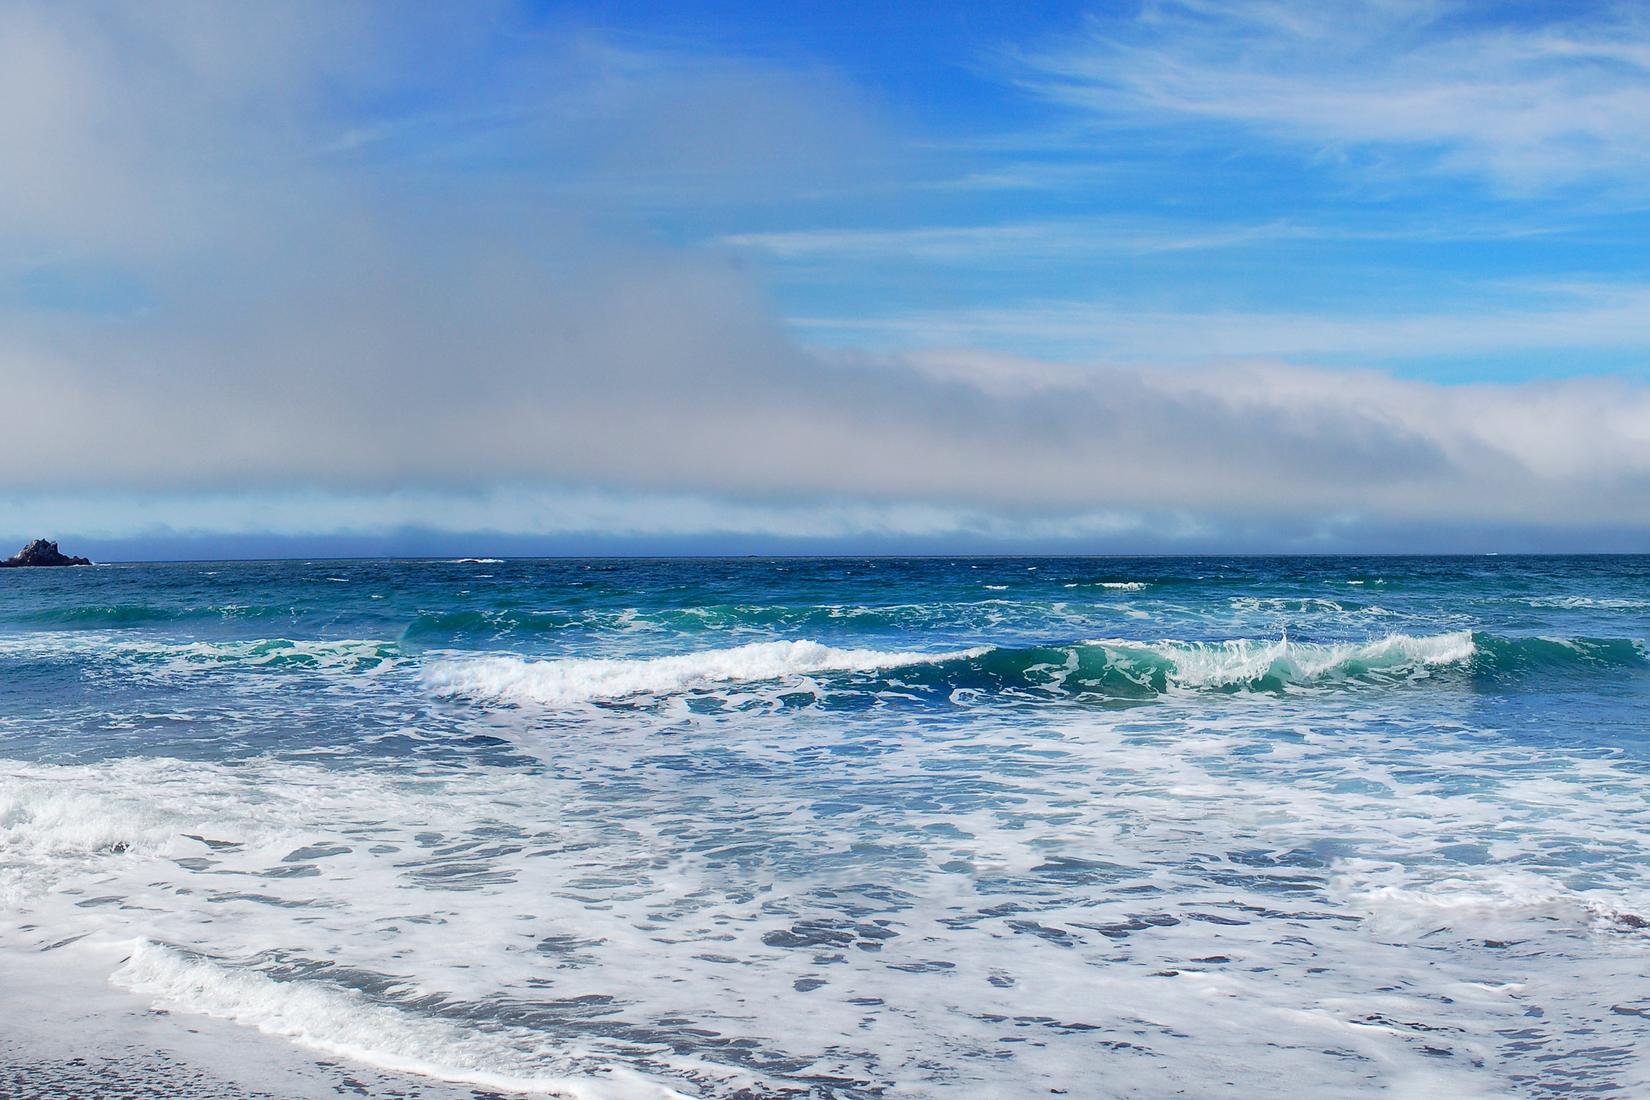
x=1087 y=827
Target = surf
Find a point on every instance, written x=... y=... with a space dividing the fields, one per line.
x=1107 y=669
x=565 y=681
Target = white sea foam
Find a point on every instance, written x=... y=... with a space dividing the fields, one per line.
x=39 y=821
x=344 y=1023
x=580 y=680
x=1491 y=900
x=52 y=827
x=139 y=808
x=482 y=896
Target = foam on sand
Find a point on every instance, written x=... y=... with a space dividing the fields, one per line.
x=345 y=1023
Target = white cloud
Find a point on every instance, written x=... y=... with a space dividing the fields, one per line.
x=1529 y=98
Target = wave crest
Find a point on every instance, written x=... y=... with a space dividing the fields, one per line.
x=1107 y=668
x=1249 y=663
x=583 y=680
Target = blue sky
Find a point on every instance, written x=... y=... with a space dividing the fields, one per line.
x=1166 y=276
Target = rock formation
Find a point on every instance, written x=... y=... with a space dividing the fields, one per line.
x=40 y=552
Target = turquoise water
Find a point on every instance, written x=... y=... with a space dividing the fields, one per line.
x=831 y=828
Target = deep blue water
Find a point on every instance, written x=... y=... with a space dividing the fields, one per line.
x=933 y=827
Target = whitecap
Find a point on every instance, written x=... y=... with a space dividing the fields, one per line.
x=1246 y=660
x=579 y=680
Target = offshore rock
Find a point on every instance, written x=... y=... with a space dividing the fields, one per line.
x=40 y=552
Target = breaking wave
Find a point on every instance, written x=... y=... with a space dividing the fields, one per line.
x=583 y=680
x=1112 y=668
x=1120 y=669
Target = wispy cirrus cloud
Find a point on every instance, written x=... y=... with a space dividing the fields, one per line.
x=1032 y=240
x=1006 y=240
x=1547 y=318
x=1528 y=98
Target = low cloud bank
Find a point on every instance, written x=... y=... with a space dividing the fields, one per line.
x=666 y=375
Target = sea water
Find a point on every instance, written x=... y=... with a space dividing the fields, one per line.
x=827 y=828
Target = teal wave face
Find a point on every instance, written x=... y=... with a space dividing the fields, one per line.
x=438 y=627
x=1133 y=670
x=98 y=616
x=1556 y=658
